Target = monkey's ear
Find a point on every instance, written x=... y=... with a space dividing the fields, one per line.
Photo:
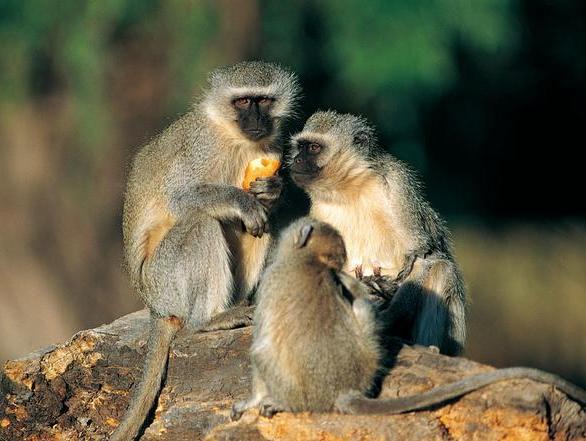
x=361 y=137
x=303 y=236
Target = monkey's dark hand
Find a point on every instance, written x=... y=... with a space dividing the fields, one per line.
x=381 y=289
x=253 y=215
x=267 y=190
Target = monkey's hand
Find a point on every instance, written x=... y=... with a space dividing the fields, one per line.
x=253 y=215
x=381 y=289
x=267 y=190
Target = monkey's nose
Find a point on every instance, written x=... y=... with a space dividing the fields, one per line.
x=297 y=160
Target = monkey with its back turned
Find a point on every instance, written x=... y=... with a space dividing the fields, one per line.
x=316 y=338
x=195 y=242
x=315 y=330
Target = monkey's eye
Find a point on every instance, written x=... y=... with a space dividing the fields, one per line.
x=314 y=147
x=242 y=102
x=265 y=101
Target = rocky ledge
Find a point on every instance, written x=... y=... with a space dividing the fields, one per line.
x=80 y=389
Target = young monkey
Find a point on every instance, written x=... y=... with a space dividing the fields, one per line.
x=389 y=229
x=315 y=330
x=315 y=344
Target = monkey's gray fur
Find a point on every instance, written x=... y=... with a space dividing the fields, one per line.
x=356 y=403
x=187 y=254
x=315 y=330
x=375 y=201
x=315 y=345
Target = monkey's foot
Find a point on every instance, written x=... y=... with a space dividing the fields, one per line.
x=238 y=409
x=433 y=349
x=237 y=317
x=268 y=408
x=345 y=401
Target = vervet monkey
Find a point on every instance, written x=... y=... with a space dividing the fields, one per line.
x=315 y=331
x=389 y=229
x=195 y=243
x=315 y=343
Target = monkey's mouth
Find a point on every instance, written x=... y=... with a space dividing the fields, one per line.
x=256 y=134
x=302 y=178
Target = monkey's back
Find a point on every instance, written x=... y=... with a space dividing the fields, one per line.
x=146 y=201
x=308 y=346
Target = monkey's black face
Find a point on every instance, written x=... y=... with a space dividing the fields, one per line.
x=304 y=168
x=253 y=116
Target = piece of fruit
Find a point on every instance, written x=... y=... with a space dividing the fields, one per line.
x=259 y=168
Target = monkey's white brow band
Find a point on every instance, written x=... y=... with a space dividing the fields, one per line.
x=247 y=91
x=318 y=137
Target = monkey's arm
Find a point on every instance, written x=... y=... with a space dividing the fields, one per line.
x=356 y=403
x=362 y=303
x=222 y=202
x=353 y=285
x=421 y=229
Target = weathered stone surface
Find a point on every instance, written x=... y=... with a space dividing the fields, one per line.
x=79 y=391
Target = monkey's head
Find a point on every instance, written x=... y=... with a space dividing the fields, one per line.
x=316 y=241
x=250 y=99
x=332 y=150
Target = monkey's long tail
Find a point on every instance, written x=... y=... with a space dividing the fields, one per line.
x=361 y=405
x=161 y=335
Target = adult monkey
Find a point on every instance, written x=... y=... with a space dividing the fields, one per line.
x=374 y=201
x=195 y=242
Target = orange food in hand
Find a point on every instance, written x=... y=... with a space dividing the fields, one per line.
x=259 y=168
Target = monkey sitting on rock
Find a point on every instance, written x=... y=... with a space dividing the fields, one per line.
x=315 y=343
x=315 y=331
x=390 y=230
x=195 y=242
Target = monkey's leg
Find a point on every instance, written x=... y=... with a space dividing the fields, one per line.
x=407 y=268
x=399 y=316
x=259 y=392
x=179 y=288
x=441 y=320
x=356 y=403
x=237 y=317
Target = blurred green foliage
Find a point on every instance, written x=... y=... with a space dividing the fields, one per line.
x=386 y=52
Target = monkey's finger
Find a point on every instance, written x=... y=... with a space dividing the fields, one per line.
x=268 y=410
x=260 y=227
x=236 y=412
x=276 y=179
x=268 y=183
x=265 y=192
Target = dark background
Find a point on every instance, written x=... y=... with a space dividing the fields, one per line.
x=485 y=99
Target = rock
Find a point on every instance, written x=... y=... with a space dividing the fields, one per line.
x=79 y=391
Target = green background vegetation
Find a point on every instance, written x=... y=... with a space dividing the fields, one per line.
x=485 y=98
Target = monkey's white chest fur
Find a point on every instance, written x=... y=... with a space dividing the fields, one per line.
x=368 y=234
